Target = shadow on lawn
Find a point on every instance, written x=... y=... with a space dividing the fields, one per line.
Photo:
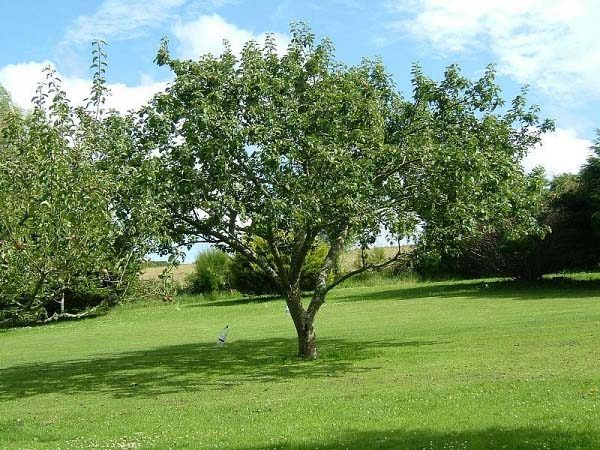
x=554 y=288
x=235 y=301
x=490 y=438
x=189 y=367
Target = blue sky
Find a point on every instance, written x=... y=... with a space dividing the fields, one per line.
x=551 y=45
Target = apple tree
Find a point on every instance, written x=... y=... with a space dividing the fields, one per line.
x=76 y=217
x=299 y=150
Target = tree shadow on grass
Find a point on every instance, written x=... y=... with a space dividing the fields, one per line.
x=235 y=301
x=550 y=288
x=488 y=439
x=189 y=367
x=554 y=288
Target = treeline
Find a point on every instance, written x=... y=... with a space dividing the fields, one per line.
x=568 y=211
x=285 y=162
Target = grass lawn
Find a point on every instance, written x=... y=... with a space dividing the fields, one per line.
x=448 y=365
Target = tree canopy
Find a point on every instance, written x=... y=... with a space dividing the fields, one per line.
x=76 y=219
x=299 y=149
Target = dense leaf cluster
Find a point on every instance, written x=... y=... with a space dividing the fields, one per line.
x=76 y=211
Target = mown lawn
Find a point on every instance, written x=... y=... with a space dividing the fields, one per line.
x=448 y=365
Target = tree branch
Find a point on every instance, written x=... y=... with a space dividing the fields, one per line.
x=397 y=257
x=279 y=263
x=318 y=297
x=233 y=242
x=302 y=244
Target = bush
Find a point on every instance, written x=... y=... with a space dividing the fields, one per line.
x=212 y=273
x=249 y=279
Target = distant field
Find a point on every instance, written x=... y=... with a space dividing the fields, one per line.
x=179 y=273
x=448 y=365
x=182 y=271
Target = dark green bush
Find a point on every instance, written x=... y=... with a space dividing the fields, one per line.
x=212 y=273
x=249 y=279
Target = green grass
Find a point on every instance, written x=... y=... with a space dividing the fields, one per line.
x=447 y=365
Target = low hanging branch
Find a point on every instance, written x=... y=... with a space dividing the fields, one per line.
x=56 y=316
x=398 y=257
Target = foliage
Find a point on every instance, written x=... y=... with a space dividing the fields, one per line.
x=6 y=106
x=76 y=218
x=572 y=243
x=590 y=180
x=249 y=278
x=299 y=149
x=564 y=209
x=212 y=272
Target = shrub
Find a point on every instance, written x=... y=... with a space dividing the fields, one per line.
x=248 y=278
x=212 y=273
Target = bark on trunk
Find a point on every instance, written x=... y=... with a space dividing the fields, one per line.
x=307 y=341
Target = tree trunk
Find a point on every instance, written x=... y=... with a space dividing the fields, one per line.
x=307 y=341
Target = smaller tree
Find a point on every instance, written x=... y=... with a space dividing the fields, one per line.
x=77 y=217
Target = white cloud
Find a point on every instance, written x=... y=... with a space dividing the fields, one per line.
x=121 y=19
x=197 y=37
x=551 y=44
x=21 y=80
x=206 y=35
x=559 y=152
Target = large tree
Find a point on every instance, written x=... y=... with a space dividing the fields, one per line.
x=298 y=150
